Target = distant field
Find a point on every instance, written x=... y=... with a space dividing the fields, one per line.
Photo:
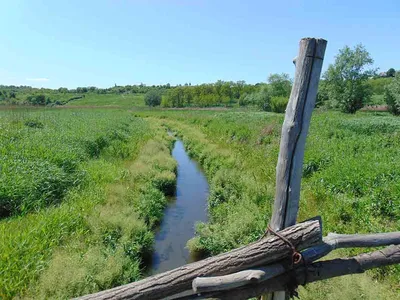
x=120 y=100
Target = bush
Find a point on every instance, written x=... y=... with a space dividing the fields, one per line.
x=36 y=99
x=392 y=95
x=152 y=98
x=278 y=104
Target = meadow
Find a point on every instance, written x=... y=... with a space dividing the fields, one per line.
x=116 y=100
x=82 y=190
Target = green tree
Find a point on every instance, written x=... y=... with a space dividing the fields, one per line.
x=347 y=79
x=152 y=98
x=280 y=85
x=391 y=72
x=392 y=95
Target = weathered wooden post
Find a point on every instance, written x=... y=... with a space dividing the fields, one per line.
x=293 y=138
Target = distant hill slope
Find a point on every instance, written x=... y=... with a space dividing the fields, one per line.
x=122 y=100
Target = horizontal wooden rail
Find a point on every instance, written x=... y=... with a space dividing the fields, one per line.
x=265 y=251
x=311 y=273
x=257 y=275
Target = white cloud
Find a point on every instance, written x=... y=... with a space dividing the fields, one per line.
x=38 y=79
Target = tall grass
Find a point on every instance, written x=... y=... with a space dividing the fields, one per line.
x=42 y=151
x=100 y=231
x=119 y=237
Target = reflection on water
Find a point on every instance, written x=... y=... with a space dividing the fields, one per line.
x=188 y=207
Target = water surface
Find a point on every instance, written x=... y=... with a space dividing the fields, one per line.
x=185 y=209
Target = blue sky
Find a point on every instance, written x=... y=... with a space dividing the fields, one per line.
x=84 y=43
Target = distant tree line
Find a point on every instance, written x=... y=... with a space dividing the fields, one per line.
x=220 y=93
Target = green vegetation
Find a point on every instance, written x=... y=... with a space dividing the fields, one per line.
x=42 y=152
x=392 y=95
x=271 y=97
x=152 y=98
x=346 y=79
x=391 y=72
x=91 y=186
x=279 y=103
x=351 y=179
x=81 y=191
x=221 y=93
x=97 y=232
x=111 y=100
x=377 y=85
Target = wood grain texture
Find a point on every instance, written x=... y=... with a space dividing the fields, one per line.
x=293 y=138
x=294 y=132
x=336 y=241
x=262 y=252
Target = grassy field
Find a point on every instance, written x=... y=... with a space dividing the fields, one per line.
x=122 y=100
x=82 y=190
x=351 y=178
x=89 y=99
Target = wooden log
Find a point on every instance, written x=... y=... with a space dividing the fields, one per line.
x=262 y=252
x=234 y=280
x=311 y=273
x=335 y=241
x=331 y=242
x=294 y=132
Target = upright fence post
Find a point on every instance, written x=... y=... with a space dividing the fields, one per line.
x=293 y=137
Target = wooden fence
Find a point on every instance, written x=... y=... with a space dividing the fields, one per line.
x=285 y=257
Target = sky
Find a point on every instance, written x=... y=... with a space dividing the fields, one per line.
x=101 y=43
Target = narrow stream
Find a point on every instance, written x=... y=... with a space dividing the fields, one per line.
x=188 y=207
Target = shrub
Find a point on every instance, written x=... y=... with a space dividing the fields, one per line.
x=392 y=95
x=152 y=98
x=278 y=104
